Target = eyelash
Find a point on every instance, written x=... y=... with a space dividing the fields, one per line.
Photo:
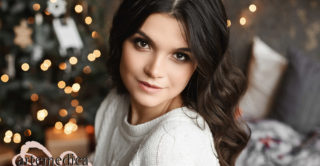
x=137 y=42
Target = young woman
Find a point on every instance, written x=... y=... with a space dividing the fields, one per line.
x=175 y=93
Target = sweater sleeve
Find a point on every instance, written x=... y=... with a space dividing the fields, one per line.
x=183 y=145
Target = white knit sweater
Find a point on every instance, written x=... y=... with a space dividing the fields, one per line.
x=173 y=139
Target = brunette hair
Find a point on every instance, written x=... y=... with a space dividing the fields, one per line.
x=216 y=85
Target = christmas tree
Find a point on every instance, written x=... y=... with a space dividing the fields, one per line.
x=52 y=66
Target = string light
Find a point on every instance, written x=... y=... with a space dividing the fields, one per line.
x=47 y=13
x=61 y=84
x=88 y=20
x=73 y=60
x=8 y=133
x=79 y=109
x=47 y=63
x=5 y=78
x=91 y=57
x=76 y=87
x=94 y=34
x=36 y=7
x=34 y=97
x=58 y=125
x=87 y=70
x=78 y=8
x=228 y=23
x=243 y=21
x=90 y=129
x=16 y=138
x=68 y=90
x=42 y=114
x=74 y=102
x=70 y=127
x=63 y=66
x=253 y=8
x=27 y=133
x=63 y=112
x=25 y=67
x=97 y=53
x=7 y=139
x=53 y=1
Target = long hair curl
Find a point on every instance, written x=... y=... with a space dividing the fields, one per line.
x=216 y=85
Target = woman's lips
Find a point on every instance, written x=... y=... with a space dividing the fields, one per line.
x=150 y=88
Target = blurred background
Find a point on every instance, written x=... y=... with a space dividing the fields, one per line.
x=53 y=75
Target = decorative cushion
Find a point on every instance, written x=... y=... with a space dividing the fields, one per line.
x=298 y=99
x=266 y=67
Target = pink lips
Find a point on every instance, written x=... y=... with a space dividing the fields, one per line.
x=149 y=87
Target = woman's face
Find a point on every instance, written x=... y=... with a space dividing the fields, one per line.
x=156 y=63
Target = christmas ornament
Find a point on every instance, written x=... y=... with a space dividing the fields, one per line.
x=23 y=35
x=67 y=34
x=57 y=7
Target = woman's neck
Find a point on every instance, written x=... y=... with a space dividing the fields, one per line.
x=139 y=114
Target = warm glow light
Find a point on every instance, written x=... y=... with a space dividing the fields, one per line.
x=78 y=8
x=90 y=129
x=228 y=23
x=94 y=34
x=91 y=57
x=42 y=114
x=53 y=1
x=25 y=66
x=34 y=97
x=61 y=84
x=36 y=7
x=76 y=87
x=47 y=63
x=73 y=120
x=58 y=125
x=79 y=109
x=63 y=112
x=47 y=13
x=5 y=78
x=253 y=8
x=68 y=90
x=73 y=60
x=243 y=20
x=0 y=119
x=8 y=133
x=87 y=70
x=97 y=53
x=74 y=102
x=7 y=139
x=27 y=133
x=16 y=138
x=68 y=128
x=88 y=20
x=43 y=67
x=62 y=66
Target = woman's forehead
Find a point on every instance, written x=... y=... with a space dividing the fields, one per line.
x=165 y=29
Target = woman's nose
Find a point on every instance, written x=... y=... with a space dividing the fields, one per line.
x=155 y=67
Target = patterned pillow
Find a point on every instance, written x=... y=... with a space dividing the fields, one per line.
x=298 y=99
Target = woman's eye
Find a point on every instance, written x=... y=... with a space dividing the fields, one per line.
x=181 y=57
x=141 y=43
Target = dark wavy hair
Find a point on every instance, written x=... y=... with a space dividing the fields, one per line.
x=216 y=85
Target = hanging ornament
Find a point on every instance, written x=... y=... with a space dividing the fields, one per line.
x=11 y=71
x=67 y=34
x=23 y=35
x=57 y=7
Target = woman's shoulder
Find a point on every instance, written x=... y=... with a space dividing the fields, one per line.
x=180 y=141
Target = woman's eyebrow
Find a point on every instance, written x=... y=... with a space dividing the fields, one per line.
x=152 y=42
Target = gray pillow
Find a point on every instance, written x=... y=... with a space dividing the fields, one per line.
x=298 y=98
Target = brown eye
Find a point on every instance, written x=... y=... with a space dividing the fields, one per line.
x=141 y=43
x=181 y=56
